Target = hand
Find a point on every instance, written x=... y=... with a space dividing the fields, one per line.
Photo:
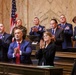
x=33 y=29
x=36 y=29
x=67 y=28
x=13 y=39
x=42 y=44
x=16 y=50
x=60 y=27
x=53 y=37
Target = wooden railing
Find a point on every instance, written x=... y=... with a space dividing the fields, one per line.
x=15 y=69
x=64 y=60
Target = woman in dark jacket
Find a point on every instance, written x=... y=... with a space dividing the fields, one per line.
x=47 y=50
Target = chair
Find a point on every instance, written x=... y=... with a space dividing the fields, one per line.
x=34 y=41
x=33 y=38
x=74 y=68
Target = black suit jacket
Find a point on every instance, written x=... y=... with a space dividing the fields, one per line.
x=46 y=55
x=4 y=44
x=59 y=37
x=67 y=36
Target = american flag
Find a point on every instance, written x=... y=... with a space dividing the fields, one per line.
x=13 y=14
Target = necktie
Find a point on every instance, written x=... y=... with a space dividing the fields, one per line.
x=63 y=26
x=18 y=55
x=53 y=32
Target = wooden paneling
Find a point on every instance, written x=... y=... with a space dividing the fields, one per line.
x=47 y=9
x=1 y=1
x=44 y=9
x=5 y=12
x=64 y=60
x=15 y=69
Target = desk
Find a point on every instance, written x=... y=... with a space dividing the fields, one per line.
x=64 y=60
x=15 y=69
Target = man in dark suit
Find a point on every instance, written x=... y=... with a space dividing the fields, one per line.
x=5 y=40
x=68 y=33
x=37 y=30
x=57 y=33
x=19 y=50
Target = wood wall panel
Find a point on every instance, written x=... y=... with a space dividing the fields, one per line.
x=47 y=9
x=1 y=11
x=22 y=11
x=5 y=12
x=44 y=9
